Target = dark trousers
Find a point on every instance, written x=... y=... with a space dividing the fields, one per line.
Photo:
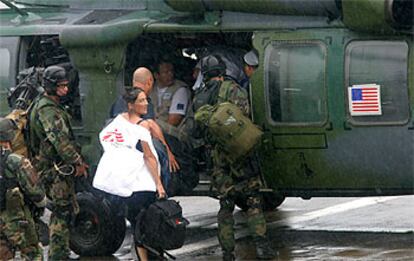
x=164 y=163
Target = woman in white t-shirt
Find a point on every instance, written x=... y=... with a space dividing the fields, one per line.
x=129 y=167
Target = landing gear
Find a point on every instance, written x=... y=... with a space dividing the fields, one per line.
x=97 y=230
x=271 y=201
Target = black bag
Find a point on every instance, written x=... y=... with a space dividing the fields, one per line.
x=186 y=179
x=162 y=226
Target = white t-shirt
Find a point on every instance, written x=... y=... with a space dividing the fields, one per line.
x=121 y=169
x=161 y=94
x=179 y=101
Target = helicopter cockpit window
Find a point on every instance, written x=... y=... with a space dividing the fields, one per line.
x=4 y=78
x=384 y=64
x=295 y=75
x=5 y=64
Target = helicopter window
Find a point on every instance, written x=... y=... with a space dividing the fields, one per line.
x=384 y=63
x=5 y=64
x=295 y=82
x=4 y=76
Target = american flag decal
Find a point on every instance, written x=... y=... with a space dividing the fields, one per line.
x=364 y=100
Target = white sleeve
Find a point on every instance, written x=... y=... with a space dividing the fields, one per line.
x=179 y=101
x=143 y=134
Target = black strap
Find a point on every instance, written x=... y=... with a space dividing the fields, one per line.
x=139 y=122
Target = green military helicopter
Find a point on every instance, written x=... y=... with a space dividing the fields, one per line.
x=333 y=92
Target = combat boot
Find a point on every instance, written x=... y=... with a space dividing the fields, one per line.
x=264 y=250
x=228 y=256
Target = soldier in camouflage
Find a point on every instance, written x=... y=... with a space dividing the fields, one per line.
x=230 y=178
x=57 y=157
x=21 y=197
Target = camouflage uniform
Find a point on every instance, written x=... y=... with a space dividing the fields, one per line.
x=52 y=141
x=232 y=180
x=17 y=227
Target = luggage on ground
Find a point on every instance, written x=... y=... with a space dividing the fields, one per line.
x=161 y=226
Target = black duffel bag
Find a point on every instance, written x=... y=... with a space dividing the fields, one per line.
x=162 y=225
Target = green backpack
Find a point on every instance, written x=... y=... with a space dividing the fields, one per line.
x=227 y=126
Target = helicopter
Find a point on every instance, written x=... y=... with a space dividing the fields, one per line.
x=318 y=60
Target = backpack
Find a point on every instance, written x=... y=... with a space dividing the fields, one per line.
x=227 y=126
x=20 y=99
x=162 y=225
x=18 y=142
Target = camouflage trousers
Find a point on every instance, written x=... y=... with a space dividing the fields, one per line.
x=18 y=232
x=232 y=183
x=60 y=189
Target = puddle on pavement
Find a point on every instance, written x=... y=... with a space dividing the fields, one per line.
x=318 y=245
x=352 y=253
x=294 y=245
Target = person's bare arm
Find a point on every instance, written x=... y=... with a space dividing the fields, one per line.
x=156 y=132
x=151 y=162
x=175 y=119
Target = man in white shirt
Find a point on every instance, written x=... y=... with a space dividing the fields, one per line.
x=170 y=96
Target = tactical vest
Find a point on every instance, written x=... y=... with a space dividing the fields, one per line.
x=13 y=207
x=162 y=108
x=18 y=143
x=206 y=94
x=35 y=131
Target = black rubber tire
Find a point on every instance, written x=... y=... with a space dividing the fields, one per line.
x=270 y=202
x=240 y=201
x=115 y=230
x=96 y=231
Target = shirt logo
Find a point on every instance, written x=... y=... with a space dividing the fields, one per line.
x=112 y=136
x=180 y=106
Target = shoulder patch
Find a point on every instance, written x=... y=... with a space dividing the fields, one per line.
x=180 y=106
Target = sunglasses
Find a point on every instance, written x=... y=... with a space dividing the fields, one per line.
x=63 y=84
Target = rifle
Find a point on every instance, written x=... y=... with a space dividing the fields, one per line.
x=29 y=87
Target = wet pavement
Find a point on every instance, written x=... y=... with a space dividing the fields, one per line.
x=372 y=228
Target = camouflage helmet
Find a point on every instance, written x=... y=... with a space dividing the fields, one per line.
x=212 y=66
x=7 y=129
x=52 y=76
